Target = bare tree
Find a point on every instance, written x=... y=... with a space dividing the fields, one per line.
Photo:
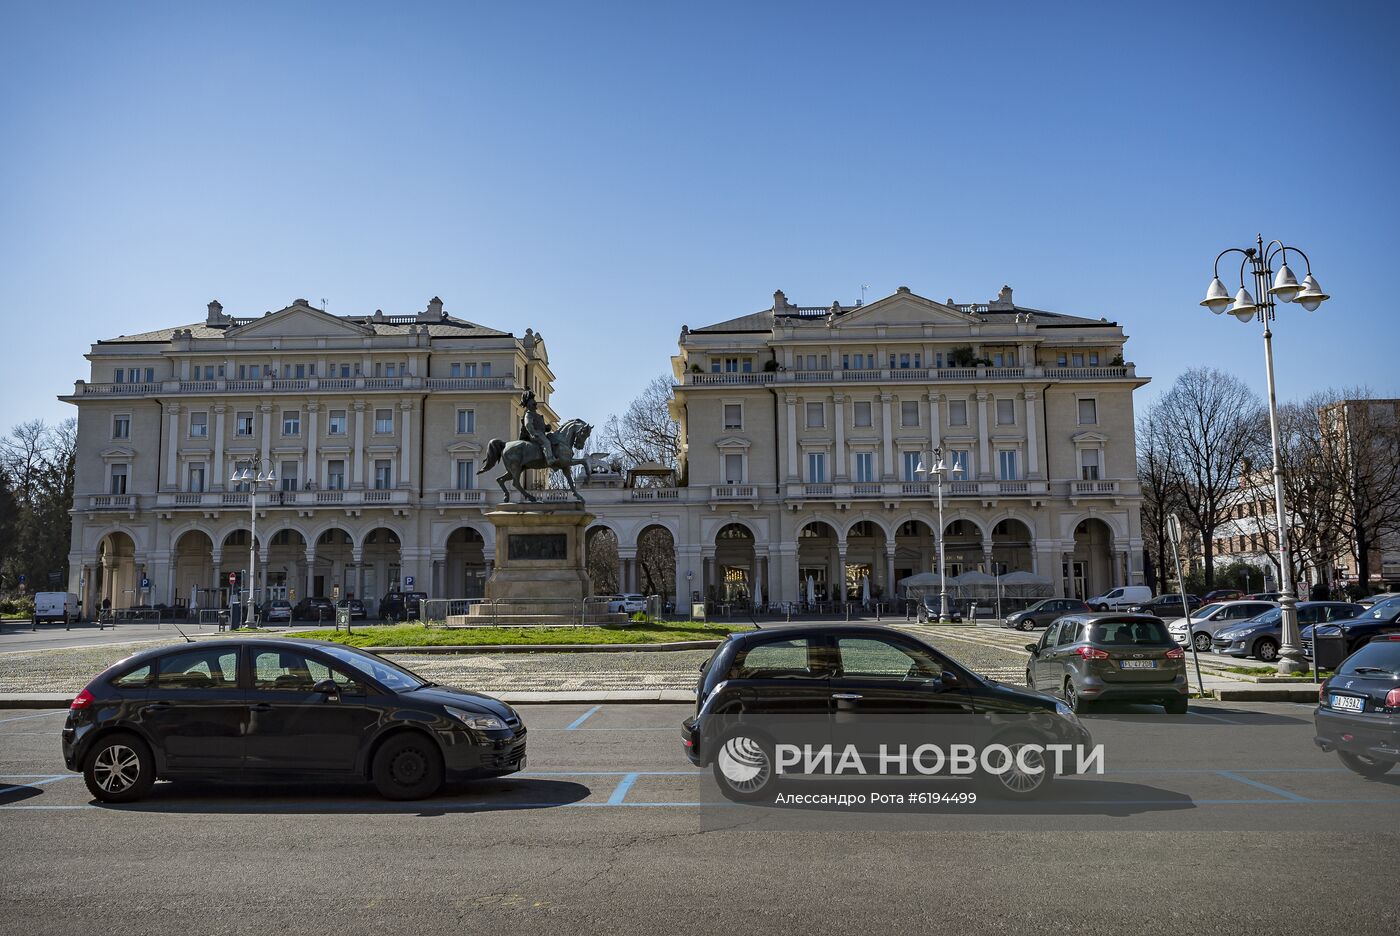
x=1210 y=423
x=656 y=556
x=38 y=462
x=1158 y=494
x=646 y=430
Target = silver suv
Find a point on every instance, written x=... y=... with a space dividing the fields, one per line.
x=1213 y=618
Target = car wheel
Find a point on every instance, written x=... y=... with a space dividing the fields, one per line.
x=744 y=769
x=1004 y=777
x=1202 y=641
x=1266 y=649
x=1076 y=703
x=1030 y=681
x=1025 y=625
x=119 y=769
x=407 y=767
x=1175 y=706
x=1370 y=767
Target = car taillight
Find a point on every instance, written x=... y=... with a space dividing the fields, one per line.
x=1392 y=699
x=1175 y=653
x=1089 y=653
x=1322 y=694
x=81 y=701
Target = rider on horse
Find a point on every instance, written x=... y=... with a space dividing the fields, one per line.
x=533 y=428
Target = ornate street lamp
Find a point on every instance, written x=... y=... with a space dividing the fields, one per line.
x=1284 y=287
x=251 y=474
x=937 y=470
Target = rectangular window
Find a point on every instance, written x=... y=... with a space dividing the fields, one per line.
x=133 y=375
x=383 y=421
x=288 y=476
x=301 y=371
x=118 y=480
x=199 y=425
x=845 y=362
x=860 y=413
x=1006 y=412
x=1076 y=360
x=391 y=370
x=466 y=474
x=291 y=422
x=748 y=365
x=904 y=361
x=1088 y=412
x=908 y=413
x=1006 y=466
x=383 y=474
x=486 y=368
x=816 y=467
x=345 y=370
x=893 y=358
x=865 y=467
x=466 y=421
x=912 y=460
x=121 y=426
x=335 y=474
x=455 y=370
x=1093 y=359
x=1089 y=464
x=918 y=359
x=731 y=365
x=336 y=424
x=733 y=469
x=816 y=415
x=119 y=375
x=714 y=366
x=1062 y=360
x=733 y=416
x=197 y=477
x=957 y=412
x=243 y=424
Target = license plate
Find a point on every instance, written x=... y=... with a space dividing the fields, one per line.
x=1345 y=703
x=1137 y=664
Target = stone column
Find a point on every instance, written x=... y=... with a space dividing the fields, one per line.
x=406 y=446
x=312 y=475
x=218 y=469
x=987 y=559
x=841 y=569
x=762 y=576
x=216 y=564
x=266 y=409
x=792 y=462
x=838 y=416
x=887 y=435
x=358 y=460
x=891 y=586
x=172 y=448
x=984 y=442
x=1032 y=439
x=935 y=417
x=310 y=568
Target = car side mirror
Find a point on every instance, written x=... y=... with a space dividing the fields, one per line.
x=326 y=687
x=1033 y=648
x=949 y=678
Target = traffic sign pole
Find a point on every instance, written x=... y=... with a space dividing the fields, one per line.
x=1174 y=537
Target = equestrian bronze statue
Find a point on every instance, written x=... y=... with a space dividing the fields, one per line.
x=538 y=447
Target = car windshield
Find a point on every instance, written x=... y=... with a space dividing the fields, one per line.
x=1385 y=609
x=1205 y=612
x=376 y=668
x=1382 y=655
x=1270 y=616
x=1135 y=632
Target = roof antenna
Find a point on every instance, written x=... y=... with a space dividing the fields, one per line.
x=325 y=306
x=188 y=638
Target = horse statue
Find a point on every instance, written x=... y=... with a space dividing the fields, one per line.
x=521 y=455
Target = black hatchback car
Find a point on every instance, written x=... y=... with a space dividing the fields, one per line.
x=266 y=708
x=1120 y=657
x=843 y=685
x=1358 y=709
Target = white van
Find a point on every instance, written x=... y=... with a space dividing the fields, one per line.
x=56 y=606
x=1120 y=598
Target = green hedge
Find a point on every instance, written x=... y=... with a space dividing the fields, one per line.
x=17 y=607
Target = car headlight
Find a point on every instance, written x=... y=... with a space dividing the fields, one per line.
x=1067 y=713
x=476 y=720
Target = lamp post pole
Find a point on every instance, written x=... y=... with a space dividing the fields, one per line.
x=252 y=474
x=1285 y=287
x=936 y=468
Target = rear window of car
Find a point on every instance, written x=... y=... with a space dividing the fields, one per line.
x=1381 y=654
x=773 y=660
x=1134 y=633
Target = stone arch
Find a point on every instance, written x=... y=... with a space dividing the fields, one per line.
x=466 y=563
x=1091 y=562
x=380 y=570
x=601 y=547
x=735 y=566
x=1013 y=545
x=654 y=568
x=117 y=584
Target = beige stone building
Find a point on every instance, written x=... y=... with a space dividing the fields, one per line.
x=801 y=431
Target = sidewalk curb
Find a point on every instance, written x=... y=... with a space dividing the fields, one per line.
x=1266 y=693
x=61 y=700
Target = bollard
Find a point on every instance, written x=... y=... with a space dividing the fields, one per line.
x=848 y=614
x=877 y=613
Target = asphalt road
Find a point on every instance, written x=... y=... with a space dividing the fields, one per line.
x=1226 y=821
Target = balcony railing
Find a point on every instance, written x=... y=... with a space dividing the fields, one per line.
x=469 y=383
x=303 y=385
x=112 y=501
x=909 y=374
x=656 y=494
x=460 y=497
x=733 y=491
x=897 y=490
x=1079 y=488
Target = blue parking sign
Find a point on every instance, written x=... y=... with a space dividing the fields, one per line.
x=145 y=582
x=408 y=581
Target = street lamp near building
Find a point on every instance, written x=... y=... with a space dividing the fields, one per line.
x=251 y=473
x=1285 y=287
x=936 y=468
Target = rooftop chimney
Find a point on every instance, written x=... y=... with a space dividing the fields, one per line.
x=1002 y=302
x=433 y=313
x=216 y=315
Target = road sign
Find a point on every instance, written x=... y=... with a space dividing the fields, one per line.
x=335 y=592
x=232 y=579
x=23 y=578
x=1174 y=529
x=55 y=576
x=408 y=581
x=145 y=582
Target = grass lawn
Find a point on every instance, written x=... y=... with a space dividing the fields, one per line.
x=416 y=635
x=1271 y=671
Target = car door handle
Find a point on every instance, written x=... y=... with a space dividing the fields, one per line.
x=261 y=707
x=155 y=707
x=845 y=695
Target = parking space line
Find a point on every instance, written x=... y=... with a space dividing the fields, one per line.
x=40 y=715
x=1223 y=721
x=37 y=780
x=582 y=718
x=620 y=794
x=1277 y=791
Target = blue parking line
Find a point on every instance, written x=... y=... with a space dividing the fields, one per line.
x=1277 y=791
x=620 y=794
x=582 y=718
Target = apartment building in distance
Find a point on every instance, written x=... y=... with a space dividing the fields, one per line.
x=802 y=428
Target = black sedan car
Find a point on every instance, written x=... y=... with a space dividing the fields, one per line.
x=1358 y=709
x=1380 y=620
x=1167 y=607
x=356 y=607
x=314 y=609
x=848 y=685
x=269 y=708
x=1042 y=613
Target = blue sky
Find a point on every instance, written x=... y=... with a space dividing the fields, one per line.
x=607 y=172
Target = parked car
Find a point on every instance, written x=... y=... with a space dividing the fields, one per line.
x=1121 y=598
x=1223 y=594
x=357 y=609
x=627 y=604
x=1358 y=709
x=244 y=710
x=277 y=610
x=1381 y=619
x=56 y=606
x=1265 y=596
x=1166 y=606
x=1122 y=657
x=1042 y=613
x=314 y=609
x=928 y=609
x=850 y=679
x=1215 y=617
x=401 y=606
x=1261 y=636
x=1372 y=599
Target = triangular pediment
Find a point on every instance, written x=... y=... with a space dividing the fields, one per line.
x=1088 y=437
x=118 y=451
x=464 y=447
x=299 y=321
x=731 y=442
x=906 y=308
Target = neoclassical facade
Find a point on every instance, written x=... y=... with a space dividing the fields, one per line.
x=801 y=428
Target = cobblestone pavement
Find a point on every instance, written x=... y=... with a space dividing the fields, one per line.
x=68 y=670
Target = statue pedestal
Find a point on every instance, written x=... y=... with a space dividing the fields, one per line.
x=540 y=553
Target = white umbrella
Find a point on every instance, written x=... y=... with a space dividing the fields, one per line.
x=811 y=590
x=757 y=595
x=865 y=589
